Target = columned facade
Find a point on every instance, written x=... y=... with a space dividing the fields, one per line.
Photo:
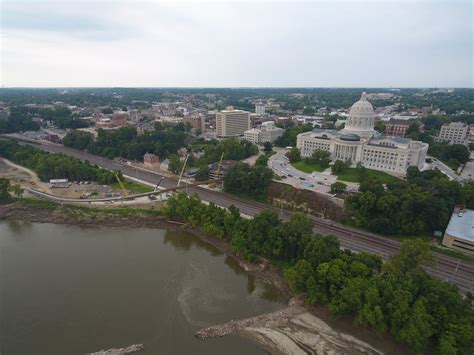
x=359 y=143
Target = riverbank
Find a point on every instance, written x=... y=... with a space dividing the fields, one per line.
x=285 y=331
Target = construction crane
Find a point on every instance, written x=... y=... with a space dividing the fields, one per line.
x=121 y=185
x=158 y=185
x=213 y=183
x=182 y=170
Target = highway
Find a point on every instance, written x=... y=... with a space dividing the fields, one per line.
x=447 y=268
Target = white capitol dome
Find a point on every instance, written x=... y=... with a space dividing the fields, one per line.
x=362 y=108
x=360 y=120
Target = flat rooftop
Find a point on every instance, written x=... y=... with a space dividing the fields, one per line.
x=461 y=225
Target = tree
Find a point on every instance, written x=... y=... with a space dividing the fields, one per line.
x=248 y=181
x=289 y=135
x=379 y=126
x=267 y=147
x=320 y=250
x=203 y=173
x=293 y=155
x=175 y=165
x=321 y=157
x=262 y=160
x=298 y=275
x=78 y=139
x=458 y=152
x=412 y=256
x=338 y=167
x=4 y=189
x=338 y=187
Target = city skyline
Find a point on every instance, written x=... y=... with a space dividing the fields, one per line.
x=310 y=44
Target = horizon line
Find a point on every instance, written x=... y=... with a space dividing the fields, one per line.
x=235 y=87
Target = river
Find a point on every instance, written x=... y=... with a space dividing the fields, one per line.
x=71 y=290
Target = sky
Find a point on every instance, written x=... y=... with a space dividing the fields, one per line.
x=90 y=43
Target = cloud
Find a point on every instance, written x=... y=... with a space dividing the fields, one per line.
x=92 y=43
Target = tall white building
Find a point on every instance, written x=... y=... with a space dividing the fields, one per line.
x=231 y=123
x=260 y=109
x=454 y=133
x=268 y=132
x=358 y=142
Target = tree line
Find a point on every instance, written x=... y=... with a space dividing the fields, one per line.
x=126 y=143
x=288 y=138
x=399 y=297
x=248 y=181
x=19 y=120
x=423 y=203
x=54 y=166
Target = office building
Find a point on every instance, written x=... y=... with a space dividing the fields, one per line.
x=267 y=132
x=454 y=133
x=232 y=123
x=396 y=127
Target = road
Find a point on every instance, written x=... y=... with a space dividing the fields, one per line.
x=445 y=169
x=315 y=181
x=448 y=269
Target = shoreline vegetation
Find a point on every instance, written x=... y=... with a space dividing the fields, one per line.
x=330 y=333
x=398 y=298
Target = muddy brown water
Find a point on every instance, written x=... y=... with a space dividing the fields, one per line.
x=69 y=290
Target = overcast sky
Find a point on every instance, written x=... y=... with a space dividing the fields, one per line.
x=204 y=44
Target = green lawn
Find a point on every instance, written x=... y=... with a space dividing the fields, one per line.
x=350 y=175
x=133 y=186
x=307 y=167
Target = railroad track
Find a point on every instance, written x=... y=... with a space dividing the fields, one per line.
x=447 y=268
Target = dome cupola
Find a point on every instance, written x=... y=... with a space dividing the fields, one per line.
x=360 y=120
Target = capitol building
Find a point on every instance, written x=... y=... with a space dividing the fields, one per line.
x=358 y=142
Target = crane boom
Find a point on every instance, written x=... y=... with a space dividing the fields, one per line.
x=124 y=190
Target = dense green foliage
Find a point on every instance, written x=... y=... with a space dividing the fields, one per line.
x=399 y=298
x=308 y=100
x=78 y=139
x=18 y=120
x=4 y=189
x=288 y=138
x=293 y=155
x=338 y=186
x=164 y=141
x=232 y=148
x=21 y=119
x=339 y=166
x=54 y=166
x=320 y=157
x=126 y=143
x=452 y=155
x=247 y=181
x=421 y=204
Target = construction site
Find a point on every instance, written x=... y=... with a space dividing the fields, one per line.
x=126 y=191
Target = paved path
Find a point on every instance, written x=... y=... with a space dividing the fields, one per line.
x=316 y=181
x=445 y=169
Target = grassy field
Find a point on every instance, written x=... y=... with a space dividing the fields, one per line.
x=350 y=175
x=307 y=167
x=133 y=186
